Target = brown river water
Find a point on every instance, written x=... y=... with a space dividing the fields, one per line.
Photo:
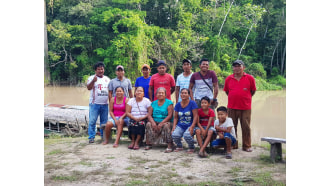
x=268 y=109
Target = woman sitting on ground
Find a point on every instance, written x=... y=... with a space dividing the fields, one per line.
x=137 y=111
x=185 y=119
x=118 y=116
x=160 y=117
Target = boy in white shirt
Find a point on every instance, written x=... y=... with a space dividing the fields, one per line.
x=225 y=130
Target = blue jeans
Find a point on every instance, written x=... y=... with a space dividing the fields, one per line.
x=94 y=111
x=177 y=135
x=222 y=142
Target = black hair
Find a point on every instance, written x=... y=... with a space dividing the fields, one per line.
x=222 y=108
x=119 y=87
x=206 y=98
x=98 y=64
x=204 y=59
x=161 y=62
x=185 y=89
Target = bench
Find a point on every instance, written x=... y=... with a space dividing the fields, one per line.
x=275 y=148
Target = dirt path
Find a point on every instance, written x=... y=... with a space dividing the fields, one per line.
x=72 y=161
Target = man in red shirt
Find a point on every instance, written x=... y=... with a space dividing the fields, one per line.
x=240 y=87
x=161 y=79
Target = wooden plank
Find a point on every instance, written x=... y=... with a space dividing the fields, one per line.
x=273 y=140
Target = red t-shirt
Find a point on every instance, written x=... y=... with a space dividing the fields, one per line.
x=239 y=92
x=204 y=119
x=166 y=81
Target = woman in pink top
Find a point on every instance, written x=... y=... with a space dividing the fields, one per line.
x=118 y=116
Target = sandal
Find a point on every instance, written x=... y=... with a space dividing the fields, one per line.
x=148 y=147
x=248 y=150
x=178 y=149
x=201 y=154
x=115 y=145
x=168 y=150
x=130 y=146
x=136 y=148
x=228 y=156
x=190 y=151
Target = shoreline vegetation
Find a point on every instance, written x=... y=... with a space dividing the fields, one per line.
x=70 y=161
x=136 y=32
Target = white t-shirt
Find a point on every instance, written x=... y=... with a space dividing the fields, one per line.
x=183 y=82
x=140 y=111
x=226 y=124
x=99 y=94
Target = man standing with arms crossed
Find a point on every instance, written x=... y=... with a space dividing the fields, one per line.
x=183 y=80
x=204 y=81
x=240 y=87
x=98 y=100
x=161 y=79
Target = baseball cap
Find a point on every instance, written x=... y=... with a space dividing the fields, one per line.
x=118 y=67
x=186 y=60
x=240 y=62
x=145 y=66
x=161 y=62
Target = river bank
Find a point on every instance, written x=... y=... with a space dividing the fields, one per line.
x=72 y=161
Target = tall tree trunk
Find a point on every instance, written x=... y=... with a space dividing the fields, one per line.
x=271 y=61
x=282 y=62
x=46 y=66
x=245 y=39
x=224 y=20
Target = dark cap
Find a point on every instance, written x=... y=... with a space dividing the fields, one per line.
x=186 y=60
x=119 y=67
x=240 y=62
x=161 y=62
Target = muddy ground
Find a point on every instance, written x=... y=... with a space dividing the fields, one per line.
x=72 y=161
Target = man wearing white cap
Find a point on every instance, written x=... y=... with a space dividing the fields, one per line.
x=121 y=81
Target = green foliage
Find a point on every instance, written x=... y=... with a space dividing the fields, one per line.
x=263 y=85
x=278 y=80
x=257 y=70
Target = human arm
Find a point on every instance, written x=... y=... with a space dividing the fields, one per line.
x=151 y=88
x=124 y=115
x=216 y=91
x=191 y=85
x=195 y=115
x=91 y=84
x=208 y=126
x=130 y=93
x=252 y=92
x=175 y=121
x=177 y=89
x=168 y=118
x=151 y=119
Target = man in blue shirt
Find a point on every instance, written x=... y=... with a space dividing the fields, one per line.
x=144 y=80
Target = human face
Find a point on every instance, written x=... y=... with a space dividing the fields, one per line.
x=161 y=70
x=119 y=92
x=184 y=95
x=161 y=94
x=204 y=66
x=139 y=92
x=145 y=72
x=238 y=69
x=120 y=73
x=205 y=104
x=99 y=71
x=222 y=116
x=186 y=67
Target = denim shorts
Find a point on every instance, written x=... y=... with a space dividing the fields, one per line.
x=204 y=127
x=126 y=121
x=222 y=142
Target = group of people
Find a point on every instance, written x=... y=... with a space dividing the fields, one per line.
x=151 y=113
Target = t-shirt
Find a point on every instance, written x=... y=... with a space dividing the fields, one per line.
x=166 y=81
x=239 y=92
x=204 y=119
x=142 y=82
x=226 y=124
x=99 y=94
x=159 y=113
x=139 y=109
x=201 y=89
x=182 y=82
x=125 y=83
x=185 y=114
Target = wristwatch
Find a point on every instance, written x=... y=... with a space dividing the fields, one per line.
x=215 y=99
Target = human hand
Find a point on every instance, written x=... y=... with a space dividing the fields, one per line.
x=191 y=131
x=117 y=122
x=95 y=78
x=203 y=133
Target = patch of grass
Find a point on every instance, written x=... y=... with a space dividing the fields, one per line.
x=129 y=168
x=163 y=162
x=175 y=184
x=234 y=171
x=209 y=183
x=56 y=151
x=88 y=164
x=265 y=178
x=111 y=157
x=137 y=182
x=173 y=169
x=76 y=175
x=265 y=159
x=155 y=166
x=53 y=166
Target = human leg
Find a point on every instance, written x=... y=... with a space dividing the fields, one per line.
x=176 y=136
x=207 y=140
x=234 y=115
x=149 y=134
x=246 y=130
x=119 y=132
x=93 y=114
x=137 y=141
x=104 y=112
x=107 y=132
x=189 y=139
x=198 y=136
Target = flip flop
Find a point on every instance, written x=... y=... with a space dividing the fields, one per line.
x=168 y=150
x=115 y=145
x=130 y=146
x=178 y=149
x=136 y=148
x=228 y=156
x=201 y=154
x=148 y=147
x=190 y=151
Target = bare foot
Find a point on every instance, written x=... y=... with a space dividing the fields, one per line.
x=105 y=142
